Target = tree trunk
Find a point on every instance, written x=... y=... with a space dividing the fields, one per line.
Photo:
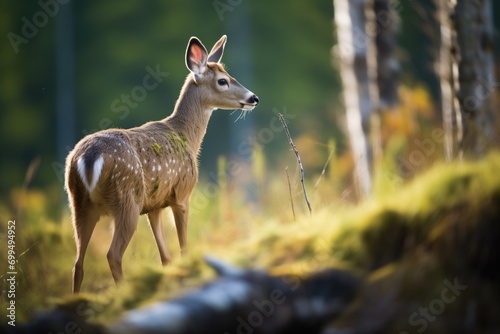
x=352 y=52
x=445 y=67
x=383 y=66
x=474 y=27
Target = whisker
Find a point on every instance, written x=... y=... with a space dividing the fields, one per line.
x=240 y=116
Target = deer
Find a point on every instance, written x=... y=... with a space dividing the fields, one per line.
x=125 y=173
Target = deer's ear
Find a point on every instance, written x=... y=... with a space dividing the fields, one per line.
x=196 y=58
x=218 y=50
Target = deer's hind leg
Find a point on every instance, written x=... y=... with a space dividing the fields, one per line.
x=85 y=217
x=125 y=224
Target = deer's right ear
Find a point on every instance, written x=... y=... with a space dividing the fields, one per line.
x=218 y=49
x=196 y=58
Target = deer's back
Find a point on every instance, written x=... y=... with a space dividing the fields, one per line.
x=150 y=165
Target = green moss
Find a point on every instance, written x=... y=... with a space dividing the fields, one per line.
x=156 y=148
x=179 y=140
x=157 y=185
x=183 y=138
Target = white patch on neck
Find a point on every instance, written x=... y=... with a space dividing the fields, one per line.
x=209 y=111
x=96 y=172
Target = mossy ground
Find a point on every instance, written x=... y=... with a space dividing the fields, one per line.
x=442 y=226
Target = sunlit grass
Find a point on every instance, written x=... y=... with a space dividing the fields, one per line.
x=338 y=234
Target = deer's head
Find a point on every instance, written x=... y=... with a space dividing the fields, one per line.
x=220 y=90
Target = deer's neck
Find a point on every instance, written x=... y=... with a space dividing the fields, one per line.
x=191 y=115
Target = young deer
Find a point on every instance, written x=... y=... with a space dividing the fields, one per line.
x=142 y=170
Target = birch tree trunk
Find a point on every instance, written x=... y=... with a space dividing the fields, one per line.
x=352 y=52
x=474 y=25
x=447 y=69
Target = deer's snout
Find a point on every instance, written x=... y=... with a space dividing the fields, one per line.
x=254 y=99
x=250 y=102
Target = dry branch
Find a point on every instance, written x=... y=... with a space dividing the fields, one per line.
x=290 y=191
x=323 y=171
x=298 y=161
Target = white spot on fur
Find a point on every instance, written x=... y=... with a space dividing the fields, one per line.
x=159 y=167
x=96 y=172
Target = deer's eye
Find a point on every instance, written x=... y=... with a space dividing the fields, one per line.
x=222 y=82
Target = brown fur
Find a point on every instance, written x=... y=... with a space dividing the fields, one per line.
x=151 y=167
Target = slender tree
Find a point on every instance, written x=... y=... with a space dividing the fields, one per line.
x=383 y=66
x=474 y=33
x=352 y=53
x=446 y=66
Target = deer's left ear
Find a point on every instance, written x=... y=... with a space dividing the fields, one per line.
x=196 y=58
x=218 y=50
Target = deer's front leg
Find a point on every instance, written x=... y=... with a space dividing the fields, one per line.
x=181 y=213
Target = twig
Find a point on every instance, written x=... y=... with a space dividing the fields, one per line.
x=323 y=171
x=298 y=161
x=290 y=191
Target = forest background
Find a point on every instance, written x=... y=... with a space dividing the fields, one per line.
x=281 y=52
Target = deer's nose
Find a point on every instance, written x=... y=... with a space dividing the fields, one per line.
x=254 y=99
